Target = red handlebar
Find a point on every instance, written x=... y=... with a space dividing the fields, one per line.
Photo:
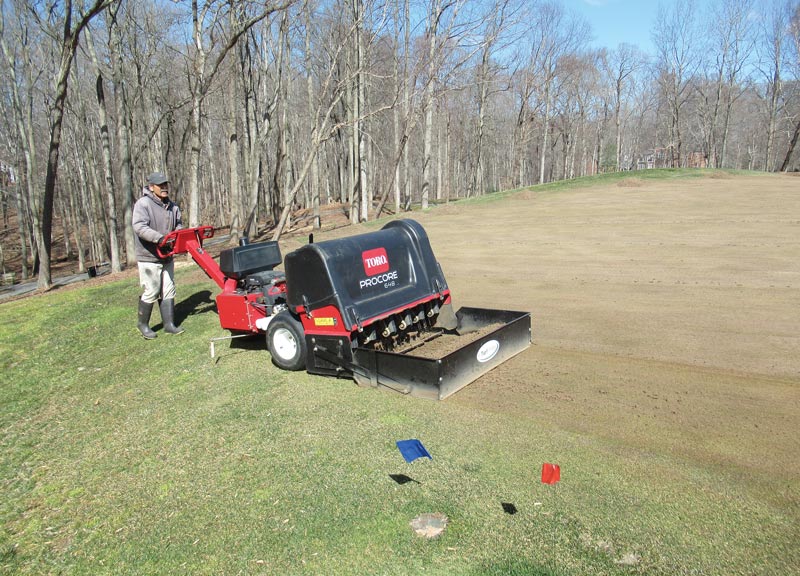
x=176 y=242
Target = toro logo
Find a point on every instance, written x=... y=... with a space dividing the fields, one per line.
x=375 y=261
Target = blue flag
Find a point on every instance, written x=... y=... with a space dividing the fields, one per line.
x=412 y=449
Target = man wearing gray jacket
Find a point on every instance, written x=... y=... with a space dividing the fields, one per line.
x=155 y=216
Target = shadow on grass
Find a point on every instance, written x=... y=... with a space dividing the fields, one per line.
x=509 y=508
x=238 y=343
x=198 y=303
x=249 y=342
x=403 y=479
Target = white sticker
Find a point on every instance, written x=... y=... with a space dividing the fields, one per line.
x=488 y=351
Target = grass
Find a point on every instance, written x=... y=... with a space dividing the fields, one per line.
x=620 y=178
x=122 y=456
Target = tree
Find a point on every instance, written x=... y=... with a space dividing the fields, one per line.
x=207 y=21
x=554 y=33
x=496 y=24
x=771 y=51
x=108 y=173
x=677 y=61
x=620 y=66
x=24 y=77
x=794 y=33
x=68 y=40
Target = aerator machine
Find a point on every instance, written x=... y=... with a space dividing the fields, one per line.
x=373 y=307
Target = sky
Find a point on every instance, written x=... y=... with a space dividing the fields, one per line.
x=617 y=21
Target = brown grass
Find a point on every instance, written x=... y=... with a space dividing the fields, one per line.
x=630 y=183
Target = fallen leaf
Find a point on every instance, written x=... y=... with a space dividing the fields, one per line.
x=429 y=525
x=629 y=559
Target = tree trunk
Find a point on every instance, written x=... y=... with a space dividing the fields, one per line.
x=24 y=125
x=483 y=97
x=792 y=144
x=772 y=120
x=68 y=46
x=233 y=162
x=74 y=213
x=198 y=93
x=123 y=114
x=439 y=159
x=427 y=140
x=22 y=228
x=314 y=183
x=618 y=133
x=406 y=100
x=108 y=173
x=545 y=129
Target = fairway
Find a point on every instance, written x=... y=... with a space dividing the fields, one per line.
x=664 y=379
x=665 y=315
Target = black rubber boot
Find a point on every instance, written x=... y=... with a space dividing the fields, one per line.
x=145 y=310
x=168 y=317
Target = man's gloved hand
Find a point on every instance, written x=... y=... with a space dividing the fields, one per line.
x=165 y=246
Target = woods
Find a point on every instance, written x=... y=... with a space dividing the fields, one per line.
x=258 y=109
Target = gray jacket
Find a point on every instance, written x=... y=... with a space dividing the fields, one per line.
x=152 y=220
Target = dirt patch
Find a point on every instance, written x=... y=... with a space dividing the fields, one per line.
x=630 y=183
x=718 y=175
x=664 y=316
x=445 y=343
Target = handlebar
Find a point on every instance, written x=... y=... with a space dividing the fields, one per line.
x=166 y=246
x=176 y=242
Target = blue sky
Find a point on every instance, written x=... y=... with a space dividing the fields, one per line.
x=617 y=21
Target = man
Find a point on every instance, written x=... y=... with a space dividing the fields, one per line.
x=155 y=216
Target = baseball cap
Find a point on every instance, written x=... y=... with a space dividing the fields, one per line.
x=157 y=178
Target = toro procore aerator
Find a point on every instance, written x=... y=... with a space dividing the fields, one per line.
x=372 y=307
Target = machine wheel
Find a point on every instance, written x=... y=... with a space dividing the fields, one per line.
x=286 y=342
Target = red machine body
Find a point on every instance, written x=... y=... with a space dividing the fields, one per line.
x=356 y=306
x=240 y=309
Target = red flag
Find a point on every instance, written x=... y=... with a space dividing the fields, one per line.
x=551 y=473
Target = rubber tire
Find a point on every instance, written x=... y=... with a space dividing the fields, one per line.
x=286 y=341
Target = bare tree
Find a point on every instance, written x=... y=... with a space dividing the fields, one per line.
x=496 y=24
x=108 y=173
x=68 y=40
x=794 y=32
x=554 y=34
x=436 y=11
x=741 y=44
x=729 y=44
x=771 y=49
x=24 y=76
x=364 y=101
x=620 y=66
x=677 y=61
x=207 y=21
